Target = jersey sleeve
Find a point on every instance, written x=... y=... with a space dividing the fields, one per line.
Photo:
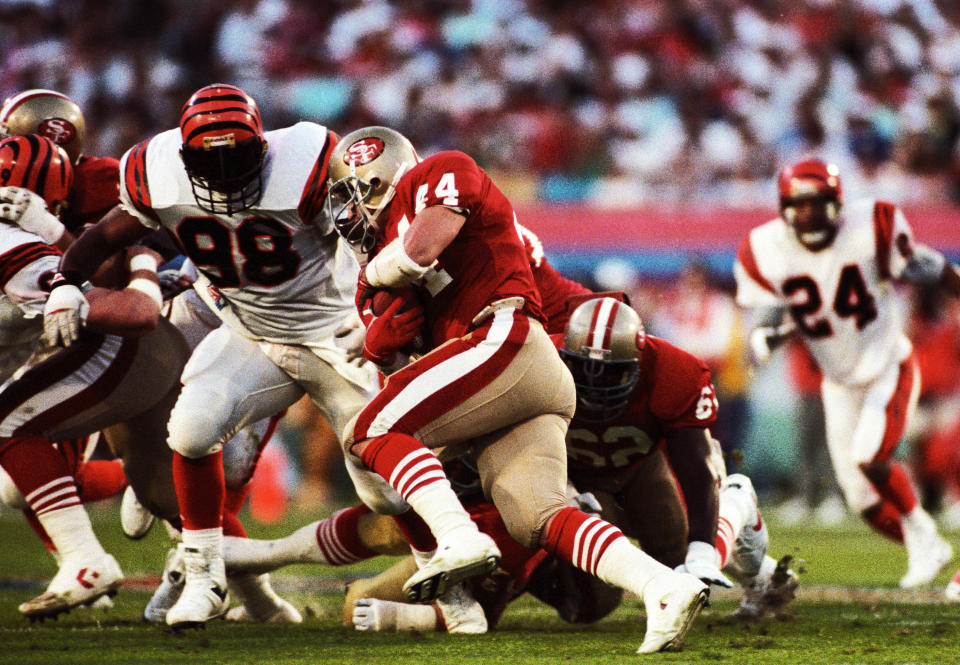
x=311 y=208
x=96 y=189
x=753 y=289
x=894 y=239
x=682 y=393
x=24 y=273
x=134 y=186
x=451 y=179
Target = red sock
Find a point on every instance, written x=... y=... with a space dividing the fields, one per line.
x=100 y=479
x=579 y=539
x=233 y=502
x=38 y=529
x=339 y=539
x=885 y=518
x=200 y=490
x=416 y=531
x=404 y=462
x=898 y=490
x=40 y=473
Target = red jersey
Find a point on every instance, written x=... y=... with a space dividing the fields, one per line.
x=674 y=390
x=486 y=260
x=96 y=189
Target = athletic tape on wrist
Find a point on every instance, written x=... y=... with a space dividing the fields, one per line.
x=149 y=288
x=143 y=262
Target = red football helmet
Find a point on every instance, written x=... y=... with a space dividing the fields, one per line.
x=38 y=164
x=223 y=148
x=602 y=346
x=810 y=199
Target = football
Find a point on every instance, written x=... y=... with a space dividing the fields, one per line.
x=382 y=299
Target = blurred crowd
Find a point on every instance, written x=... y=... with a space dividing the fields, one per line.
x=611 y=102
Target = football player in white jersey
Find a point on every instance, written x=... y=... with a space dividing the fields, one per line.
x=59 y=395
x=247 y=208
x=832 y=268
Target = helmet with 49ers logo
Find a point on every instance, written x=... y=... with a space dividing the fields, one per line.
x=223 y=148
x=47 y=113
x=810 y=200
x=601 y=346
x=38 y=164
x=364 y=169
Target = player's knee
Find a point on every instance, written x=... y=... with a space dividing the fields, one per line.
x=196 y=434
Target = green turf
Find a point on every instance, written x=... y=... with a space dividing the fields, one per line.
x=911 y=628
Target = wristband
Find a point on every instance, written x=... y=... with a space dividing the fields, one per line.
x=143 y=262
x=149 y=288
x=71 y=277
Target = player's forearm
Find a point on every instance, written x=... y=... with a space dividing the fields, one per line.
x=689 y=452
x=116 y=231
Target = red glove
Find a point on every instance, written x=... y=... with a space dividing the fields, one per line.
x=390 y=332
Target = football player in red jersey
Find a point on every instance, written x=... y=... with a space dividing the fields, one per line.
x=491 y=385
x=52 y=397
x=247 y=207
x=96 y=180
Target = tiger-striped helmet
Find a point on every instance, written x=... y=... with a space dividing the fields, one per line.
x=38 y=164
x=223 y=148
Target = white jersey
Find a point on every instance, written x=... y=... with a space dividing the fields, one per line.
x=841 y=298
x=26 y=263
x=278 y=271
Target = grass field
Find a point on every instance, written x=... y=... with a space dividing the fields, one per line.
x=849 y=611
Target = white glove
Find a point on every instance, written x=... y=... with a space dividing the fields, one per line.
x=63 y=315
x=29 y=211
x=703 y=561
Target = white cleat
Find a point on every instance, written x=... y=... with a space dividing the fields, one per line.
x=457 y=558
x=769 y=592
x=752 y=541
x=925 y=561
x=77 y=582
x=952 y=592
x=284 y=613
x=135 y=520
x=171 y=586
x=461 y=612
x=259 y=603
x=672 y=601
x=205 y=594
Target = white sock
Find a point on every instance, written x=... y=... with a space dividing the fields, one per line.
x=261 y=556
x=440 y=508
x=736 y=512
x=71 y=532
x=205 y=540
x=628 y=567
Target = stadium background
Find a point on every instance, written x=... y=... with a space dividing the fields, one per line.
x=635 y=138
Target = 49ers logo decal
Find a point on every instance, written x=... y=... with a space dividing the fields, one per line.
x=58 y=130
x=363 y=151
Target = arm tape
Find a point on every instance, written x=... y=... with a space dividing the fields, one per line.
x=393 y=267
x=147 y=287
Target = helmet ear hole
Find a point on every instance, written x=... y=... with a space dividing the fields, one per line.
x=832 y=210
x=789 y=214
